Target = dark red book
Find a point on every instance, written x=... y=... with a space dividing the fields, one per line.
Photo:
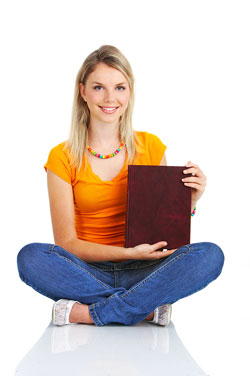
x=158 y=206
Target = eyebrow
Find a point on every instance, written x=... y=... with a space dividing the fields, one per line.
x=99 y=83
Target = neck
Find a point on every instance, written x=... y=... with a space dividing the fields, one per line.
x=103 y=135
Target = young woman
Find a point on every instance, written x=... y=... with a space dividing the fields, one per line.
x=87 y=272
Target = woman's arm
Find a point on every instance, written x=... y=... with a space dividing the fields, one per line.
x=63 y=224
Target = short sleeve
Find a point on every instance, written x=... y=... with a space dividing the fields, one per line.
x=58 y=162
x=156 y=149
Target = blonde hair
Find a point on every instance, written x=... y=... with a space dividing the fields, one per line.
x=78 y=136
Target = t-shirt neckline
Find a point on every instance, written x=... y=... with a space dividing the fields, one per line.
x=107 y=181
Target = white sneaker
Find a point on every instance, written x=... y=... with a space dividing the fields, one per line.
x=162 y=315
x=61 y=311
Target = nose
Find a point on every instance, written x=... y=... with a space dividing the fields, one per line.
x=109 y=96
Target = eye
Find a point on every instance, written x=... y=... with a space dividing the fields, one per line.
x=120 y=88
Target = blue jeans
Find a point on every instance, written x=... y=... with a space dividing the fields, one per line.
x=122 y=292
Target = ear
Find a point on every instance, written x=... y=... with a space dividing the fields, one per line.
x=82 y=91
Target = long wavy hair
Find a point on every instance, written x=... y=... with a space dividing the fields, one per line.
x=78 y=136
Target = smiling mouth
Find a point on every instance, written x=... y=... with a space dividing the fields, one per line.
x=108 y=110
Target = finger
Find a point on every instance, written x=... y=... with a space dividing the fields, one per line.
x=199 y=181
x=193 y=170
x=158 y=245
x=165 y=252
x=194 y=185
x=191 y=164
x=169 y=250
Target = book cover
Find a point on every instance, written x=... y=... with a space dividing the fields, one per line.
x=158 y=206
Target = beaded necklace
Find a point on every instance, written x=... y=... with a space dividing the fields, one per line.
x=107 y=155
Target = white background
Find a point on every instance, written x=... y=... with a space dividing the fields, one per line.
x=191 y=63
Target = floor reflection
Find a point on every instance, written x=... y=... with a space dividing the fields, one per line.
x=110 y=350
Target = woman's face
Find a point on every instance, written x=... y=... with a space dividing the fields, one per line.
x=106 y=92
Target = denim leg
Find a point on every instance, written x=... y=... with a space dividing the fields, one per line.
x=188 y=270
x=57 y=273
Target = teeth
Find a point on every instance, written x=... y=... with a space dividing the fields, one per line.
x=109 y=109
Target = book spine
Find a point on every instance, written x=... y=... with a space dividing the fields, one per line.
x=127 y=212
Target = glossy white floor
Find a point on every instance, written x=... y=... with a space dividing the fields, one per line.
x=208 y=335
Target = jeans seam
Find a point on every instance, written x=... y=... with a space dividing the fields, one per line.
x=51 y=247
x=92 y=309
x=102 y=303
x=79 y=267
x=116 y=278
x=154 y=273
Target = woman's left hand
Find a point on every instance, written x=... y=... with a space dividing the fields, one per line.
x=197 y=182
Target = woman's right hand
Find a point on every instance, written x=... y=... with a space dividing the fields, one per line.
x=150 y=251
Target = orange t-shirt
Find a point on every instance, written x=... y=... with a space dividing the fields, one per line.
x=100 y=206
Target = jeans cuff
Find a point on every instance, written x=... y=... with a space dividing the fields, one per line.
x=94 y=315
